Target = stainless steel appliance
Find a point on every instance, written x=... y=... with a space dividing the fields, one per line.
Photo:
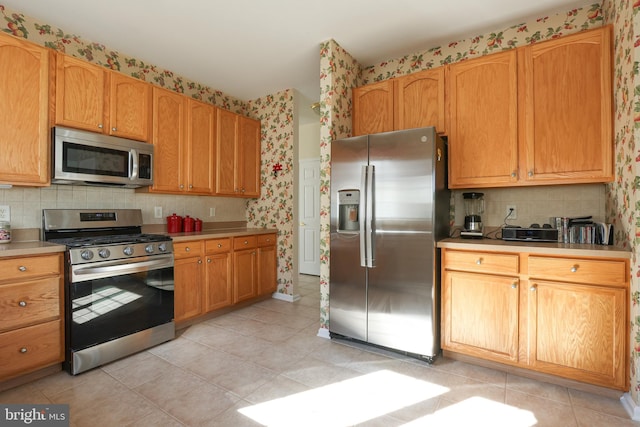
x=389 y=206
x=473 y=210
x=118 y=284
x=87 y=158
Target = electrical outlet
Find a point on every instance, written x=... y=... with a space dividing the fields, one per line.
x=5 y=213
x=511 y=212
x=212 y=211
x=157 y=212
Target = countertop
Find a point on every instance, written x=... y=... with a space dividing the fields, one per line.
x=37 y=247
x=571 y=249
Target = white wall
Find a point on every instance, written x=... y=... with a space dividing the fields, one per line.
x=309 y=141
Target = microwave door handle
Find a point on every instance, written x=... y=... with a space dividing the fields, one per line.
x=133 y=164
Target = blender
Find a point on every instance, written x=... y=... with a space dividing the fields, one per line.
x=473 y=209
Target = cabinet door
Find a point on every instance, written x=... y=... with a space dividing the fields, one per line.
x=566 y=109
x=219 y=281
x=188 y=278
x=244 y=275
x=226 y=153
x=483 y=128
x=267 y=270
x=480 y=315
x=419 y=100
x=373 y=108
x=168 y=140
x=201 y=145
x=80 y=89
x=129 y=107
x=249 y=156
x=579 y=332
x=24 y=92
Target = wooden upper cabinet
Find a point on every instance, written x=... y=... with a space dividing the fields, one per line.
x=249 y=148
x=483 y=122
x=24 y=123
x=238 y=155
x=373 y=108
x=566 y=110
x=168 y=138
x=94 y=98
x=201 y=148
x=80 y=94
x=419 y=100
x=130 y=107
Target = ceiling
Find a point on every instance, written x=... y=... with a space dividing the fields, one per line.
x=251 y=48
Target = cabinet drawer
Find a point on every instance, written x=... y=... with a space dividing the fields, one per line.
x=31 y=302
x=187 y=249
x=27 y=349
x=486 y=262
x=598 y=272
x=217 y=245
x=28 y=267
x=244 y=242
x=266 y=239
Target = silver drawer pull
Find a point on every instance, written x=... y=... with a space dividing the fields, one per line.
x=23 y=350
x=574 y=268
x=22 y=303
x=22 y=268
x=219 y=245
x=187 y=249
x=199 y=261
x=479 y=261
x=246 y=242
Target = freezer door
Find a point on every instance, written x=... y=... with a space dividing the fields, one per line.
x=402 y=311
x=347 y=280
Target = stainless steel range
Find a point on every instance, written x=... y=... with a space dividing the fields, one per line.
x=118 y=284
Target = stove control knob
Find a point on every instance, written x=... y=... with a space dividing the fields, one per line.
x=148 y=249
x=86 y=255
x=162 y=247
x=128 y=250
x=104 y=253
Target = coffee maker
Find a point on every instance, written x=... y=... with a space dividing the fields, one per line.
x=473 y=209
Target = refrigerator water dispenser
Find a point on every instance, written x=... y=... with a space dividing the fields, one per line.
x=348 y=210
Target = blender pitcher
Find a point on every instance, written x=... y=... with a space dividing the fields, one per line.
x=473 y=209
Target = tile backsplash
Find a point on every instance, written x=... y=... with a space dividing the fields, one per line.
x=537 y=204
x=26 y=204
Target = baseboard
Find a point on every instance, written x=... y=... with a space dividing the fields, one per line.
x=285 y=297
x=324 y=333
x=630 y=406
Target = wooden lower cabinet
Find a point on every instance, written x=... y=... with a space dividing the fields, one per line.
x=561 y=315
x=211 y=274
x=31 y=307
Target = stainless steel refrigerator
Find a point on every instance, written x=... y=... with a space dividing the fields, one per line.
x=389 y=207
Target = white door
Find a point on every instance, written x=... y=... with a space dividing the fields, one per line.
x=309 y=211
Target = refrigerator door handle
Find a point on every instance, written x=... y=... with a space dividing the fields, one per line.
x=361 y=208
x=370 y=222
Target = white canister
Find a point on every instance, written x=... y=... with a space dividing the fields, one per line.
x=5 y=232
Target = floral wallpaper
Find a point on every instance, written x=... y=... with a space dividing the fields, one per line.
x=622 y=200
x=275 y=206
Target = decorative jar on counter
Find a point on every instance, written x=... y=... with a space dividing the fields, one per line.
x=5 y=232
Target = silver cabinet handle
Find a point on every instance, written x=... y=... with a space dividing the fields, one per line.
x=574 y=268
x=514 y=286
x=513 y=174
x=100 y=126
x=479 y=261
x=199 y=261
x=246 y=242
x=181 y=186
x=23 y=350
x=22 y=268
x=530 y=174
x=219 y=245
x=22 y=303
x=209 y=260
x=114 y=129
x=533 y=288
x=187 y=249
x=190 y=185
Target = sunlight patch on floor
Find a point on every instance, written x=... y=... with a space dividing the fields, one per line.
x=346 y=402
x=477 y=412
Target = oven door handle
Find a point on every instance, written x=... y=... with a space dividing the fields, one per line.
x=82 y=273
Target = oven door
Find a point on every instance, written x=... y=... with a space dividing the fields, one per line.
x=113 y=301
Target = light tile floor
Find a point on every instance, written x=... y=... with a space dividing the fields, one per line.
x=265 y=365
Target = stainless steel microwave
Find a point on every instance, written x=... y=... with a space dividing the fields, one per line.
x=87 y=158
